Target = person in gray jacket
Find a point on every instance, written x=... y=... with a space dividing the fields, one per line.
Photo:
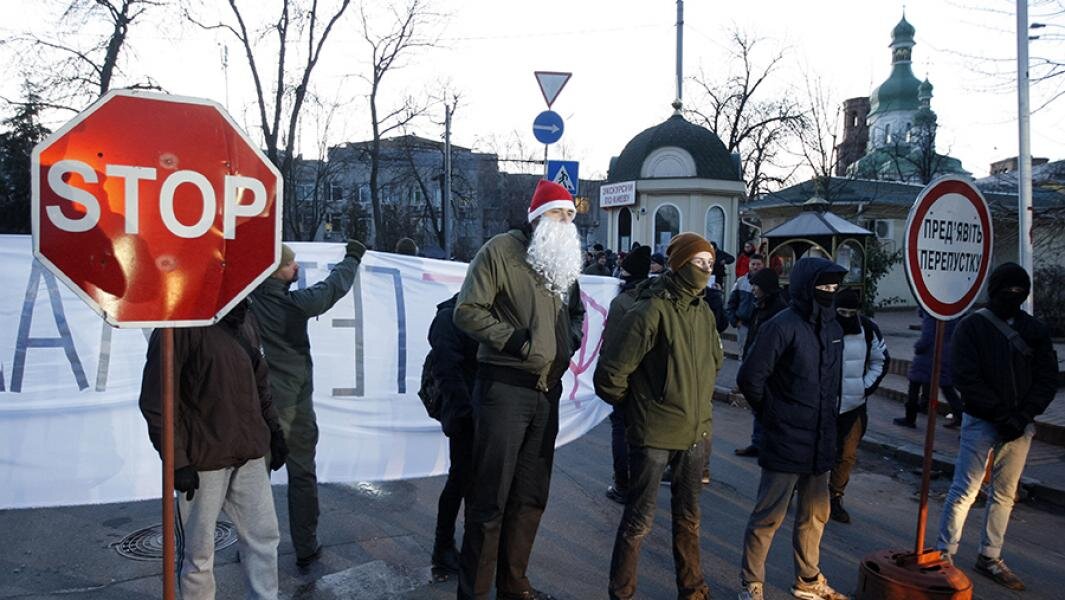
x=282 y=315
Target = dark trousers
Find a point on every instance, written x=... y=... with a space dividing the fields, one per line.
x=646 y=466
x=918 y=392
x=459 y=476
x=850 y=428
x=300 y=426
x=619 y=447
x=513 y=450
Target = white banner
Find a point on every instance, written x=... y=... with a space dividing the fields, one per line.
x=71 y=432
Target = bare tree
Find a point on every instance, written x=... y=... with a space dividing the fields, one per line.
x=1046 y=65
x=403 y=34
x=746 y=114
x=298 y=24
x=816 y=132
x=74 y=72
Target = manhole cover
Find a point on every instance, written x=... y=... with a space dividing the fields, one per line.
x=147 y=543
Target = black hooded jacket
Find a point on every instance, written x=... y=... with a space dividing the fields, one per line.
x=791 y=377
x=454 y=367
x=997 y=381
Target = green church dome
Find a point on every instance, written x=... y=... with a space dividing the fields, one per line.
x=903 y=32
x=900 y=91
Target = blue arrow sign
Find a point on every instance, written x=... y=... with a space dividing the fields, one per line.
x=547 y=127
x=564 y=173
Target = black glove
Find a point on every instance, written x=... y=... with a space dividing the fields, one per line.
x=278 y=450
x=187 y=480
x=355 y=249
x=1012 y=428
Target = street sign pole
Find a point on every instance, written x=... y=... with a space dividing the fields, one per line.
x=929 y=440
x=169 y=574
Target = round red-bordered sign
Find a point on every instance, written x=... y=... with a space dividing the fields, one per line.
x=948 y=243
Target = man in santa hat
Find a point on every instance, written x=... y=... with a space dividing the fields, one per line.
x=521 y=303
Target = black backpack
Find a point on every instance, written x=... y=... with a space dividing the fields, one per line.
x=429 y=391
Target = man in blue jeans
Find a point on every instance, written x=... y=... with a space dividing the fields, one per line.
x=1006 y=370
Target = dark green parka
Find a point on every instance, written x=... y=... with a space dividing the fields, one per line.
x=661 y=365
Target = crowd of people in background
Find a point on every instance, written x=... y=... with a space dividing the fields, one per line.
x=809 y=360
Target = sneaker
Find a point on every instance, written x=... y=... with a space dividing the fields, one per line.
x=904 y=422
x=446 y=558
x=751 y=591
x=952 y=423
x=706 y=477
x=817 y=590
x=946 y=557
x=838 y=512
x=615 y=494
x=997 y=571
x=751 y=450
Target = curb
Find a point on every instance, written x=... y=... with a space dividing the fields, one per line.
x=913 y=455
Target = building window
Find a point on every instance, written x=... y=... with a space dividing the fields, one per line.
x=715 y=226
x=667 y=225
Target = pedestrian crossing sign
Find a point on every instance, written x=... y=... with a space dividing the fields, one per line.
x=564 y=173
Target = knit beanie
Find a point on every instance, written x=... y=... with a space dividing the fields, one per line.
x=1008 y=275
x=683 y=247
x=407 y=246
x=638 y=262
x=767 y=280
x=549 y=195
x=287 y=256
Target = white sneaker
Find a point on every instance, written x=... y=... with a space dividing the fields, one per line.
x=817 y=590
x=751 y=591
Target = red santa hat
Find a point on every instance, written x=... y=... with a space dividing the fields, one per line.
x=549 y=195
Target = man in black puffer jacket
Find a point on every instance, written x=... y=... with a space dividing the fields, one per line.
x=791 y=378
x=1006 y=369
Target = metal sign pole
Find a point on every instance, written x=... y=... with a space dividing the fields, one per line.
x=929 y=440
x=169 y=575
x=545 y=160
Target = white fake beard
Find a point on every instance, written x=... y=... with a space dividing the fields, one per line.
x=555 y=253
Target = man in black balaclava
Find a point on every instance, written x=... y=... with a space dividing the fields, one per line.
x=1005 y=368
x=791 y=379
x=634 y=271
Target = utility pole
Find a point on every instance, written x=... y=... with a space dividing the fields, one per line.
x=445 y=202
x=1024 y=155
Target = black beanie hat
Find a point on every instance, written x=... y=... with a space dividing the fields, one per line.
x=848 y=298
x=1008 y=275
x=658 y=259
x=767 y=280
x=638 y=262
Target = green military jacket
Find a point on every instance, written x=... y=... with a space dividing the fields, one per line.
x=660 y=364
x=282 y=315
x=504 y=303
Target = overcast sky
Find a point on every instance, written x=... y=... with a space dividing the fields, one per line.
x=621 y=54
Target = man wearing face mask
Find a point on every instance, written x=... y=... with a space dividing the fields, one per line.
x=659 y=367
x=865 y=359
x=791 y=379
x=634 y=271
x=1005 y=368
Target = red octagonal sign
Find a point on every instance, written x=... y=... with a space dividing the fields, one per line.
x=157 y=210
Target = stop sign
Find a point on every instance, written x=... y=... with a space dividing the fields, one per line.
x=157 y=210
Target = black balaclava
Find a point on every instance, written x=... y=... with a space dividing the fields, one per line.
x=637 y=264
x=849 y=298
x=822 y=297
x=768 y=281
x=1004 y=303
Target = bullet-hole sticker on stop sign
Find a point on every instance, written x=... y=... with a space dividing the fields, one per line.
x=949 y=237
x=156 y=210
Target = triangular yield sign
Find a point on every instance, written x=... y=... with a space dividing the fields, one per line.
x=551 y=84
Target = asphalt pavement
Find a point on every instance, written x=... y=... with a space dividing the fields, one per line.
x=378 y=536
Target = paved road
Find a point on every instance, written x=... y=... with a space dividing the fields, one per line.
x=378 y=536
